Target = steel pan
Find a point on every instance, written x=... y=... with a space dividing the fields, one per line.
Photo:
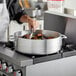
x=39 y=47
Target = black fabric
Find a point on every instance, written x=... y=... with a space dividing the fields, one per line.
x=15 y=11
x=1 y=1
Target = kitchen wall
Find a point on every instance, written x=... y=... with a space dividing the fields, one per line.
x=54 y=22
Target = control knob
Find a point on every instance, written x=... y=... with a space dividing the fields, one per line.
x=0 y=64
x=4 y=65
x=9 y=69
x=18 y=73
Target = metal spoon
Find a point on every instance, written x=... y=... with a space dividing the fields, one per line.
x=31 y=35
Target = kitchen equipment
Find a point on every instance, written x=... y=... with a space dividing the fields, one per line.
x=13 y=63
x=26 y=65
x=39 y=46
x=32 y=33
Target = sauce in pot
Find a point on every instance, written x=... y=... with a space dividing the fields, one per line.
x=38 y=36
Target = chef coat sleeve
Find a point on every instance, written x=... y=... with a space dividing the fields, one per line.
x=15 y=10
x=18 y=16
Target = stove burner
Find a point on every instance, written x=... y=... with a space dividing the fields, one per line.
x=35 y=55
x=69 y=47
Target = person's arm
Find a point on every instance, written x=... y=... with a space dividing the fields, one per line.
x=14 y=9
x=32 y=23
x=16 y=13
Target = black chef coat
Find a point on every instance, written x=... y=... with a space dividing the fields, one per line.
x=15 y=11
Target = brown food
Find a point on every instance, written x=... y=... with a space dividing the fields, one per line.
x=50 y=37
x=34 y=37
x=27 y=36
x=38 y=36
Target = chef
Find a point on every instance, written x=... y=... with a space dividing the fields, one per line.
x=11 y=10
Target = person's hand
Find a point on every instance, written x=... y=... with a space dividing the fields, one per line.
x=33 y=24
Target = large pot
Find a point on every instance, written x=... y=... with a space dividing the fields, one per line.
x=39 y=47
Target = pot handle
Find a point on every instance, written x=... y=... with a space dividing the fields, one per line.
x=63 y=36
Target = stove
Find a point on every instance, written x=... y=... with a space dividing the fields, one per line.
x=62 y=63
x=13 y=63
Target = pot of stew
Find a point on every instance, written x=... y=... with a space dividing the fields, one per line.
x=42 y=42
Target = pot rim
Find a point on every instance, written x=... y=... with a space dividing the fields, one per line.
x=41 y=39
x=59 y=36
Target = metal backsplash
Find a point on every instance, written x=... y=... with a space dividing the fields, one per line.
x=61 y=24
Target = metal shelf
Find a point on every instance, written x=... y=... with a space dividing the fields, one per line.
x=61 y=14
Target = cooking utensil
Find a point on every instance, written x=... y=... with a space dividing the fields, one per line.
x=38 y=46
x=31 y=35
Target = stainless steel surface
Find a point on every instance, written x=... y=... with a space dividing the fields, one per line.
x=18 y=61
x=59 y=67
x=70 y=31
x=31 y=35
x=40 y=47
x=52 y=68
x=15 y=58
x=55 y=23
x=64 y=25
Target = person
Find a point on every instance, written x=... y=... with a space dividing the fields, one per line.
x=11 y=10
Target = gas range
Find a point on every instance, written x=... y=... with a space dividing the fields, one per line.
x=13 y=63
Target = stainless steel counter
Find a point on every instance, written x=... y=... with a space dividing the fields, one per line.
x=55 y=64
x=24 y=60
x=15 y=58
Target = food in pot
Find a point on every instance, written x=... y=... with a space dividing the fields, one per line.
x=37 y=36
x=27 y=36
